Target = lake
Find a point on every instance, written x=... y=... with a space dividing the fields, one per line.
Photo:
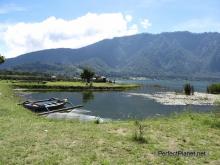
x=120 y=105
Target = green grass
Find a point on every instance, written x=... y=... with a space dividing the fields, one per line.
x=29 y=139
x=65 y=85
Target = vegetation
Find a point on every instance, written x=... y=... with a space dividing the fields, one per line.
x=87 y=75
x=13 y=72
x=66 y=85
x=139 y=132
x=188 y=89
x=33 y=76
x=29 y=139
x=214 y=89
x=126 y=59
x=2 y=59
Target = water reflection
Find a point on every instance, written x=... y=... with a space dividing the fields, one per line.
x=87 y=96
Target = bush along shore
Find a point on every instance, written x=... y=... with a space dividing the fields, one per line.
x=214 y=88
x=72 y=86
x=29 y=139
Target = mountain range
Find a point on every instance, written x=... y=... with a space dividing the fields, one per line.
x=168 y=53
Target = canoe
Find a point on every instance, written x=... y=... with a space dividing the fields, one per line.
x=45 y=105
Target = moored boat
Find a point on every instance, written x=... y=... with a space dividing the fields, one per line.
x=45 y=105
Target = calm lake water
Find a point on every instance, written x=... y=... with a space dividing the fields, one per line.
x=119 y=105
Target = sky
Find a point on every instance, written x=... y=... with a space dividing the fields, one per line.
x=27 y=26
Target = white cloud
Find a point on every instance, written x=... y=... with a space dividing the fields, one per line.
x=145 y=23
x=199 y=25
x=56 y=33
x=3 y=28
x=128 y=18
x=7 y=8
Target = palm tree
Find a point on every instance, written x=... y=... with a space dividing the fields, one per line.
x=2 y=59
x=87 y=75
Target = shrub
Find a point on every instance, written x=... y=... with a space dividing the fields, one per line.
x=213 y=89
x=2 y=59
x=98 y=120
x=188 y=89
x=139 y=133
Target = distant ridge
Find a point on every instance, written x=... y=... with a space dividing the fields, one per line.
x=169 y=53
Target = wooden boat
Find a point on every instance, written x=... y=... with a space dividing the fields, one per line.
x=45 y=105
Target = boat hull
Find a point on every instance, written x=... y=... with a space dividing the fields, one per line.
x=44 y=106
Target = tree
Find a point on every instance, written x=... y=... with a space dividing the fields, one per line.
x=188 y=89
x=87 y=75
x=2 y=59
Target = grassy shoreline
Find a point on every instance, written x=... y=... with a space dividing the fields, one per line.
x=72 y=86
x=29 y=139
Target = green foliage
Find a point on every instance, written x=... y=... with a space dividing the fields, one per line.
x=87 y=75
x=214 y=122
x=2 y=59
x=139 y=133
x=30 y=139
x=67 y=85
x=122 y=56
x=214 y=88
x=188 y=89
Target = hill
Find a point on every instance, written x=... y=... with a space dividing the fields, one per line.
x=170 y=53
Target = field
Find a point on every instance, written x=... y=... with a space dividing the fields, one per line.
x=66 y=85
x=29 y=139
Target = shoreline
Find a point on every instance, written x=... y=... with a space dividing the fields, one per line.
x=74 y=89
x=173 y=98
x=30 y=139
x=72 y=86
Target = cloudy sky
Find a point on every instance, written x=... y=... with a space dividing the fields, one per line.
x=32 y=25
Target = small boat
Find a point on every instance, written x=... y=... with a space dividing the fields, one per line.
x=45 y=105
